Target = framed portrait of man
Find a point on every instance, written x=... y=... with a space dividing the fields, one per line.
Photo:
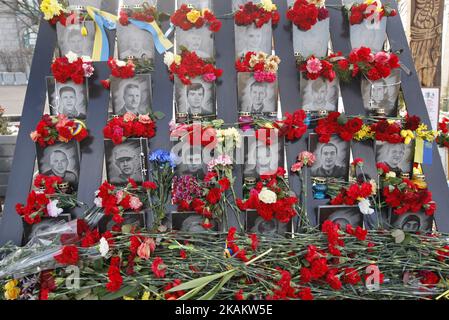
x=319 y=94
x=44 y=229
x=261 y=159
x=369 y=33
x=67 y=98
x=190 y=222
x=382 y=93
x=256 y=97
x=254 y=223
x=71 y=39
x=133 y=42
x=126 y=160
x=193 y=162
x=250 y=38
x=332 y=158
x=60 y=159
x=135 y=220
x=342 y=215
x=198 y=4
x=196 y=98
x=412 y=221
x=398 y=156
x=201 y=41
x=131 y=94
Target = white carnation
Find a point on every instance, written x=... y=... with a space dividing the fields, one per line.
x=169 y=58
x=120 y=63
x=98 y=202
x=71 y=56
x=267 y=196
x=365 y=207
x=104 y=247
x=53 y=210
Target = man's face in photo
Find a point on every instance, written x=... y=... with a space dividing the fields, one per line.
x=396 y=154
x=193 y=41
x=193 y=162
x=195 y=99
x=329 y=154
x=132 y=99
x=266 y=160
x=378 y=93
x=320 y=95
x=135 y=44
x=75 y=42
x=411 y=225
x=254 y=38
x=258 y=95
x=342 y=222
x=125 y=163
x=68 y=99
x=59 y=163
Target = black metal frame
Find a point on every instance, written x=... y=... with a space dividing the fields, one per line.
x=11 y=228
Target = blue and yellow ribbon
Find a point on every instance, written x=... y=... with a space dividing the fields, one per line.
x=101 y=44
x=161 y=42
x=423 y=151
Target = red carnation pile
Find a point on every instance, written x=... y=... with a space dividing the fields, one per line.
x=283 y=209
x=147 y=14
x=115 y=279
x=179 y=19
x=350 y=195
x=388 y=132
x=118 y=129
x=305 y=15
x=192 y=66
x=120 y=69
x=58 y=128
x=293 y=126
x=250 y=13
x=64 y=69
x=373 y=66
x=362 y=11
x=196 y=134
x=336 y=123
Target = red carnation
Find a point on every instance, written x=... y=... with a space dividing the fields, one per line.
x=68 y=255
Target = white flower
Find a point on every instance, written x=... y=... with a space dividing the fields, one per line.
x=391 y=174
x=71 y=56
x=53 y=210
x=267 y=196
x=104 y=247
x=364 y=206
x=120 y=63
x=98 y=202
x=169 y=58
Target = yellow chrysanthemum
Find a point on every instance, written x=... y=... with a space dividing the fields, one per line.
x=12 y=292
x=364 y=133
x=425 y=134
x=146 y=296
x=50 y=8
x=268 y=5
x=408 y=136
x=193 y=16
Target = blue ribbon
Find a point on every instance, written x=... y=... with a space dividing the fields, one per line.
x=427 y=153
x=160 y=47
x=103 y=23
x=170 y=30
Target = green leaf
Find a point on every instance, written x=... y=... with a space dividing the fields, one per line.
x=199 y=282
x=126 y=290
x=192 y=292
x=212 y=292
x=159 y=115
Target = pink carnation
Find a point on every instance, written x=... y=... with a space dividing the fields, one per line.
x=144 y=118
x=263 y=76
x=129 y=116
x=135 y=203
x=209 y=77
x=314 y=65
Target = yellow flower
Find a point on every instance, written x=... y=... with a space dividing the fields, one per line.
x=84 y=31
x=364 y=133
x=425 y=134
x=178 y=59
x=408 y=135
x=50 y=8
x=146 y=296
x=128 y=298
x=12 y=292
x=193 y=16
x=268 y=5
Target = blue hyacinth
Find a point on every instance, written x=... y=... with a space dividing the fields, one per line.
x=162 y=156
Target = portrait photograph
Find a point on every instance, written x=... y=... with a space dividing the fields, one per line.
x=261 y=159
x=412 y=222
x=71 y=39
x=134 y=42
x=341 y=215
x=251 y=38
x=398 y=156
x=198 y=4
x=135 y=220
x=319 y=94
x=67 y=98
x=62 y=160
x=368 y=34
x=201 y=41
x=45 y=227
x=254 y=223
x=131 y=94
x=332 y=158
x=312 y=42
x=190 y=222
x=192 y=163
x=124 y=161
x=196 y=98
x=382 y=93
x=256 y=97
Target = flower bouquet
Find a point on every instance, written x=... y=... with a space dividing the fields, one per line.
x=367 y=24
x=311 y=27
x=443 y=133
x=194 y=30
x=253 y=30
x=373 y=66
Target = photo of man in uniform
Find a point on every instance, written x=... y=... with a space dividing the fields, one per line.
x=125 y=158
x=329 y=167
x=59 y=162
x=195 y=98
